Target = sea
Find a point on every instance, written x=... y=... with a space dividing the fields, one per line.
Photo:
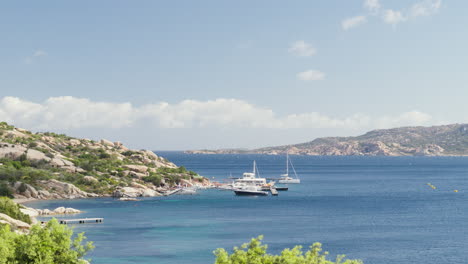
x=381 y=210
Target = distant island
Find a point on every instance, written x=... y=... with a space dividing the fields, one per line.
x=446 y=140
x=55 y=166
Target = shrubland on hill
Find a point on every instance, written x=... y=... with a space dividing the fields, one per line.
x=53 y=166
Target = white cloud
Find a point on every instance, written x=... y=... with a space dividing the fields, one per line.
x=353 y=22
x=393 y=17
x=311 y=75
x=34 y=56
x=301 y=48
x=413 y=118
x=39 y=53
x=425 y=8
x=372 y=5
x=68 y=113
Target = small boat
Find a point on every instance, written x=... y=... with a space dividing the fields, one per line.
x=250 y=190
x=285 y=177
x=128 y=199
x=281 y=188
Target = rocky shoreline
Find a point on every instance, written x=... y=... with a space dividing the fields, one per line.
x=48 y=166
x=445 y=140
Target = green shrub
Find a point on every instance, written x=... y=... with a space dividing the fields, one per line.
x=154 y=179
x=32 y=145
x=104 y=155
x=5 y=190
x=52 y=244
x=255 y=252
x=12 y=209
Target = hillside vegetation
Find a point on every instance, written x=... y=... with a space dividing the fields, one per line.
x=49 y=165
x=447 y=140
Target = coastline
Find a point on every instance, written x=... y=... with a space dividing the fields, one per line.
x=24 y=200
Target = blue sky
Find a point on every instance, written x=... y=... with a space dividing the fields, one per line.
x=209 y=74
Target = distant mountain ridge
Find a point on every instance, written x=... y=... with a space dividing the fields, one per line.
x=445 y=140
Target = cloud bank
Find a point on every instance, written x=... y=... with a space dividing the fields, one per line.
x=68 y=113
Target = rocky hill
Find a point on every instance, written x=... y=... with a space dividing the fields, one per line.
x=53 y=166
x=447 y=140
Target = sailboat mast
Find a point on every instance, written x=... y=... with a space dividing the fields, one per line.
x=254 y=166
x=287 y=163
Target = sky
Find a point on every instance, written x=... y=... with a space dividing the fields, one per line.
x=176 y=75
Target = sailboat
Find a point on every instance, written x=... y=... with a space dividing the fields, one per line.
x=285 y=177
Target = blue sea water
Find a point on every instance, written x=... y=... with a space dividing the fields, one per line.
x=378 y=209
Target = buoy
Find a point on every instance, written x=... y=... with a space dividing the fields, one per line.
x=432 y=186
x=455 y=190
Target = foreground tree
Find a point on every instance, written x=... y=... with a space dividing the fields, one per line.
x=256 y=253
x=52 y=244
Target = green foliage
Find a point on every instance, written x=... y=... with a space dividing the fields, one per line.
x=6 y=126
x=155 y=179
x=256 y=253
x=129 y=153
x=24 y=171
x=32 y=145
x=5 y=190
x=12 y=209
x=52 y=244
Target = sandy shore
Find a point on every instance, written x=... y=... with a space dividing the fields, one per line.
x=23 y=200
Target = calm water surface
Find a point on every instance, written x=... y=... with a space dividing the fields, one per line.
x=378 y=209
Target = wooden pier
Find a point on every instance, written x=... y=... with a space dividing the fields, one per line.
x=273 y=191
x=81 y=221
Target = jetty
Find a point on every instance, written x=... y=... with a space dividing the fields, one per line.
x=273 y=191
x=81 y=221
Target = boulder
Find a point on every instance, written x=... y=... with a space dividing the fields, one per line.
x=151 y=154
x=132 y=192
x=29 y=192
x=150 y=193
x=15 y=134
x=17 y=224
x=65 y=190
x=63 y=210
x=127 y=192
x=22 y=130
x=106 y=142
x=56 y=162
x=137 y=185
x=35 y=155
x=137 y=175
x=186 y=183
x=90 y=179
x=159 y=164
x=136 y=168
x=29 y=211
x=11 y=151
x=74 y=142
x=44 y=194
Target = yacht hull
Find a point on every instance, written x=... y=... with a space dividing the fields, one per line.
x=250 y=193
x=292 y=181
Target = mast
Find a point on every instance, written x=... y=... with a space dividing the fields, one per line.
x=287 y=163
x=254 y=166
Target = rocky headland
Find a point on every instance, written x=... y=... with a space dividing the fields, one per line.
x=446 y=140
x=56 y=166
